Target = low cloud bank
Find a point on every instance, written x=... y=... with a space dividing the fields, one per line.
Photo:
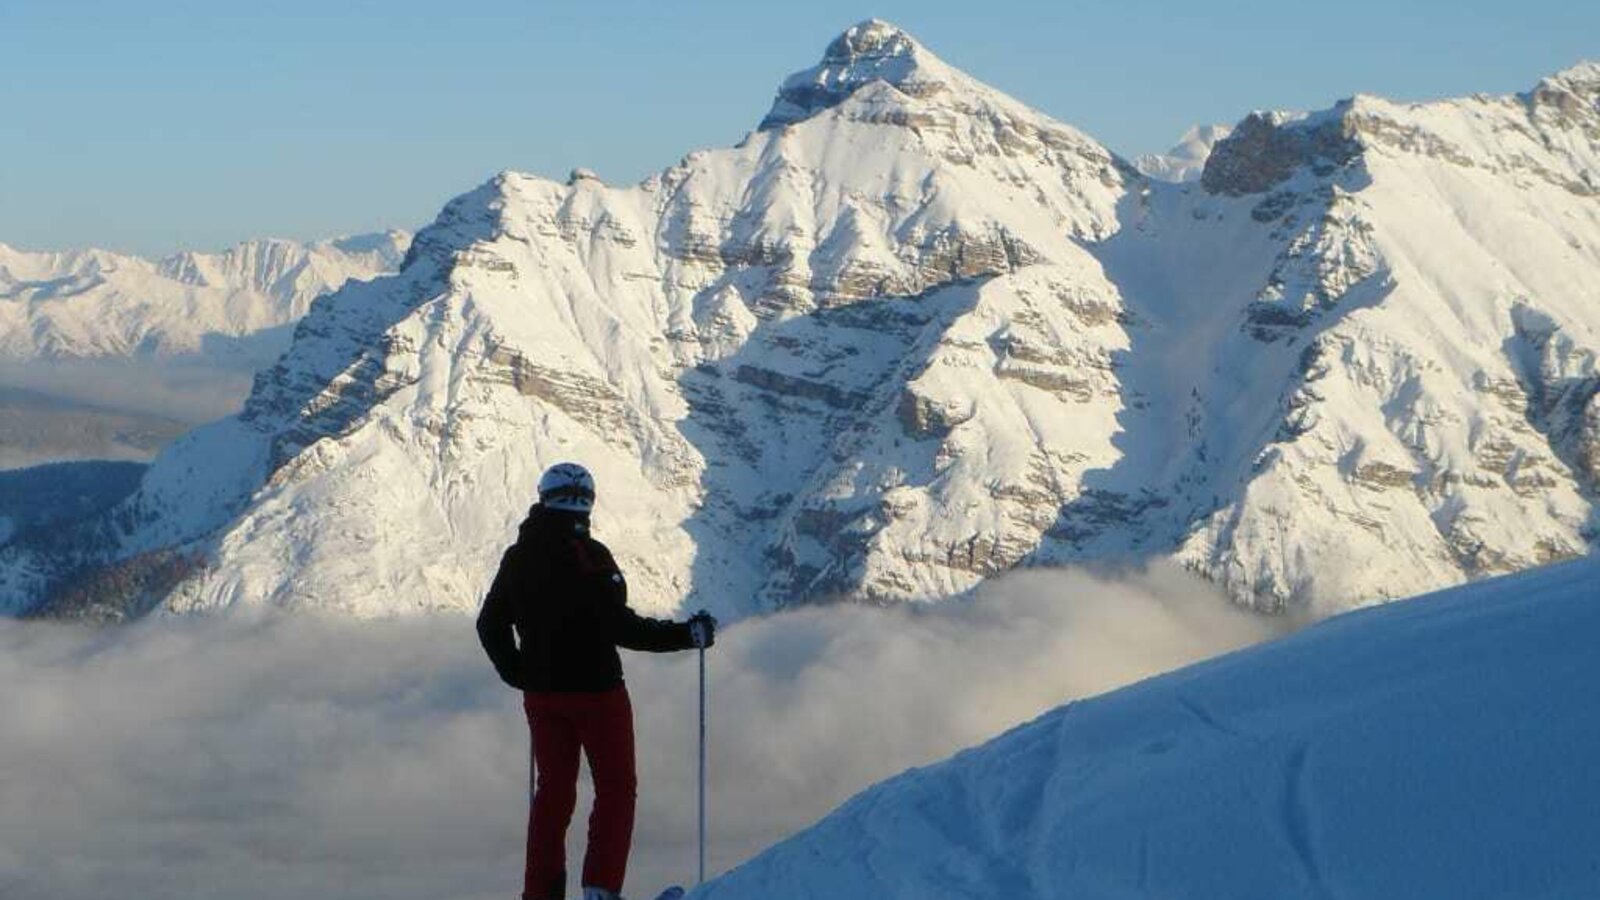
x=306 y=757
x=187 y=391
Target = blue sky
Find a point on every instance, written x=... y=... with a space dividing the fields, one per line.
x=154 y=125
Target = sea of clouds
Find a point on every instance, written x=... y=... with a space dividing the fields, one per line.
x=264 y=756
x=186 y=391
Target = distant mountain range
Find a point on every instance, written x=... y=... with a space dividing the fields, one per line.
x=84 y=304
x=910 y=333
x=109 y=356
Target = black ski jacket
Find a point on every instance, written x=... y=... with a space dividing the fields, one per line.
x=558 y=610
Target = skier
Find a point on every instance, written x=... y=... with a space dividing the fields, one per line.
x=551 y=624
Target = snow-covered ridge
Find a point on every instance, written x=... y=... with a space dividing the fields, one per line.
x=1432 y=748
x=1545 y=133
x=907 y=339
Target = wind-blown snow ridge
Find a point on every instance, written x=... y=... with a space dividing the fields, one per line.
x=916 y=335
x=1432 y=748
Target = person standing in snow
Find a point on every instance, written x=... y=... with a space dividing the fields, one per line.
x=551 y=624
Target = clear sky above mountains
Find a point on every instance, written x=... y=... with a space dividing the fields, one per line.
x=197 y=123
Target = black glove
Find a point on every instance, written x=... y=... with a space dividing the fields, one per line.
x=703 y=629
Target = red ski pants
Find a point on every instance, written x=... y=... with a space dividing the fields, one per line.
x=601 y=725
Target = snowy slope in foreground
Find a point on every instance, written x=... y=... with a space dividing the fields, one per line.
x=1440 y=747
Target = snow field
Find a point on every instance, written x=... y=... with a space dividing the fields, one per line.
x=1437 y=747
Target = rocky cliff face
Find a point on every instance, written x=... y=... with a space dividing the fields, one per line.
x=909 y=334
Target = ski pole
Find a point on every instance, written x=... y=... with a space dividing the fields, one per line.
x=702 y=879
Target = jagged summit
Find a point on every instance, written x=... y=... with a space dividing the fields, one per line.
x=876 y=75
x=1585 y=74
x=1570 y=93
x=869 y=51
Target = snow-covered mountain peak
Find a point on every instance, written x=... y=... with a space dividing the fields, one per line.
x=1187 y=159
x=1572 y=94
x=1583 y=77
x=870 y=51
x=872 y=42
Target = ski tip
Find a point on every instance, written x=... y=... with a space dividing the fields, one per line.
x=671 y=893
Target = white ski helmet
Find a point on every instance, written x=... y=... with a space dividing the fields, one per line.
x=567 y=486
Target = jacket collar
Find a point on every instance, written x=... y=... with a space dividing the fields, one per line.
x=542 y=518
